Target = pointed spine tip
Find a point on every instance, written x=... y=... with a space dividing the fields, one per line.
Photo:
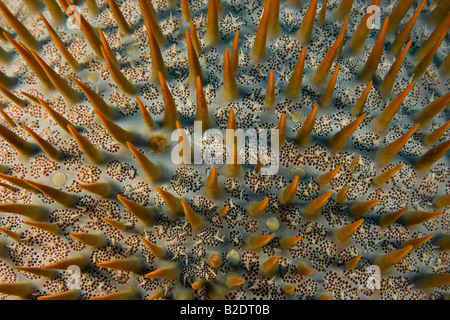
x=304 y=269
x=129 y=265
x=387 y=261
x=257 y=242
x=144 y=214
x=288 y=195
x=194 y=219
x=170 y=272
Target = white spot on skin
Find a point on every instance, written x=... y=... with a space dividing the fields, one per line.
x=272 y=224
x=59 y=179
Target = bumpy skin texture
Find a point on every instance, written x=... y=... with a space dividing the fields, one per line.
x=226 y=237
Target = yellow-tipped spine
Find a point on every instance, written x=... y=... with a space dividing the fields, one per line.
x=59 y=119
x=371 y=65
x=20 y=289
x=145 y=115
x=382 y=121
x=202 y=106
x=172 y=202
x=389 y=218
x=269 y=267
x=63 y=198
x=323 y=13
x=63 y=264
x=95 y=240
x=343 y=9
x=398 y=43
x=107 y=48
x=320 y=75
x=356 y=43
x=194 y=37
x=294 y=86
x=257 y=242
x=122 y=82
x=353 y=262
x=230 y=89
x=50 y=227
x=384 y=177
x=288 y=195
x=30 y=211
x=73 y=63
x=269 y=100
x=234 y=58
x=18 y=182
x=344 y=234
x=55 y=11
x=157 y=251
x=212 y=188
x=304 y=34
x=314 y=207
x=416 y=243
x=413 y=218
x=132 y=264
x=257 y=208
x=155 y=54
x=288 y=242
x=11 y=96
x=385 y=155
x=71 y=294
x=148 y=13
x=20 y=29
x=185 y=10
x=90 y=151
x=170 y=110
x=426 y=161
x=119 y=134
x=397 y=15
x=151 y=171
x=37 y=271
x=258 y=52
x=49 y=150
x=15 y=236
x=212 y=24
x=144 y=214
x=341 y=196
x=430 y=139
x=433 y=109
x=70 y=95
x=194 y=219
x=170 y=272
x=22 y=146
x=129 y=294
x=304 y=269
x=325 y=99
x=428 y=45
x=326 y=178
x=389 y=80
x=118 y=16
x=282 y=130
x=94 y=98
x=304 y=134
x=102 y=189
x=387 y=261
x=434 y=280
x=441 y=201
x=359 y=209
x=31 y=62
x=273 y=19
x=422 y=66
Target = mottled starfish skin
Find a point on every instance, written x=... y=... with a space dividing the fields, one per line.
x=298 y=250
